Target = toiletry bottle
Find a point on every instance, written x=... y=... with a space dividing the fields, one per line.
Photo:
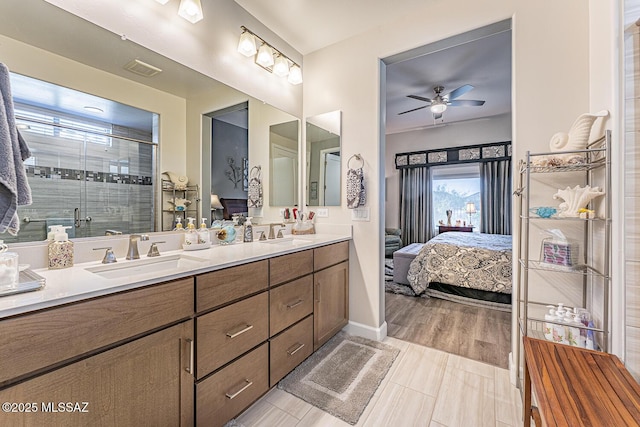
x=591 y=337
x=203 y=233
x=559 y=333
x=178 y=226
x=582 y=335
x=573 y=332
x=191 y=238
x=548 y=327
x=60 y=250
x=53 y=229
x=9 y=270
x=248 y=230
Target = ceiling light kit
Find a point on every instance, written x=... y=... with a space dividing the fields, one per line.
x=191 y=10
x=268 y=57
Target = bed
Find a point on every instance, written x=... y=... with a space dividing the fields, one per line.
x=471 y=265
x=233 y=206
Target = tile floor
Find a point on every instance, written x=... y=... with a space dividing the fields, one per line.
x=424 y=387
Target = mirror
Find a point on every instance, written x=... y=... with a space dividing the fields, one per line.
x=323 y=159
x=94 y=64
x=283 y=164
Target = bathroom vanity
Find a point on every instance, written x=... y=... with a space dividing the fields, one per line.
x=195 y=349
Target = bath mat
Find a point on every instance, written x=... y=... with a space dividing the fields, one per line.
x=342 y=376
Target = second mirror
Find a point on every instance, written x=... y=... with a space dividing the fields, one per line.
x=323 y=159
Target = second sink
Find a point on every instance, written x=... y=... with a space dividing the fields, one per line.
x=157 y=265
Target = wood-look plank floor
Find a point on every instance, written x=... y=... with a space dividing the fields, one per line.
x=477 y=333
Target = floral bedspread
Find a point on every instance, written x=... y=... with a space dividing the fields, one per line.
x=470 y=260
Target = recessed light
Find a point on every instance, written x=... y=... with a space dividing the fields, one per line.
x=94 y=109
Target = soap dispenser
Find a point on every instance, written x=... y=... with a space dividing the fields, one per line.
x=548 y=327
x=191 y=238
x=53 y=229
x=60 y=250
x=559 y=332
x=248 y=230
x=178 y=226
x=203 y=233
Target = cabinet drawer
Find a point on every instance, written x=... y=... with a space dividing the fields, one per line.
x=225 y=334
x=34 y=341
x=292 y=266
x=228 y=392
x=329 y=255
x=290 y=348
x=223 y=286
x=290 y=303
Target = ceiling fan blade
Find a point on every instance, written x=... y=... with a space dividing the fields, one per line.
x=437 y=116
x=465 y=103
x=458 y=92
x=419 y=98
x=415 y=109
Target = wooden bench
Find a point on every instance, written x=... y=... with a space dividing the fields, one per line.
x=577 y=387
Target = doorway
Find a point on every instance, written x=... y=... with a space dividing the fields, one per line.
x=413 y=81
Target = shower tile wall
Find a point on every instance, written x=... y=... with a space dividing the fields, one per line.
x=632 y=186
x=112 y=184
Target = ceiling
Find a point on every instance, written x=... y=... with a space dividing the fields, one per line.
x=481 y=58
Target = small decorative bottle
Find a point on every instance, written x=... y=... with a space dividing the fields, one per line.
x=248 y=231
x=191 y=238
x=203 y=233
x=60 y=251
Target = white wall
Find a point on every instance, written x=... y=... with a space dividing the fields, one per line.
x=492 y=129
x=550 y=59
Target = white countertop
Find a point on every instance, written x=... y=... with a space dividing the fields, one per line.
x=76 y=283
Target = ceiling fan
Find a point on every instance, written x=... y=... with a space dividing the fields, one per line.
x=440 y=102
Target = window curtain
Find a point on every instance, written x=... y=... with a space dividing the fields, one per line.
x=495 y=193
x=415 y=205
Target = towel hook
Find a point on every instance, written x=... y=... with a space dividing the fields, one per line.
x=357 y=157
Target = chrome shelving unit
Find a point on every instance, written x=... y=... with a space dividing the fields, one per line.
x=169 y=212
x=596 y=243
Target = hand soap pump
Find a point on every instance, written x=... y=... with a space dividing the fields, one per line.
x=548 y=326
x=191 y=238
x=248 y=230
x=203 y=233
x=60 y=250
x=178 y=226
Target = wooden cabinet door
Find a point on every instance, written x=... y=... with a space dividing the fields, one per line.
x=331 y=302
x=145 y=382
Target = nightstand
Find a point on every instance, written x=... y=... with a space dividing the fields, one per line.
x=443 y=228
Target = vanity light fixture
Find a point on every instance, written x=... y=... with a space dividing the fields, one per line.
x=265 y=56
x=281 y=66
x=191 y=10
x=247 y=44
x=268 y=57
x=163 y=1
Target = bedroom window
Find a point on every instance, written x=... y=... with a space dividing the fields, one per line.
x=452 y=187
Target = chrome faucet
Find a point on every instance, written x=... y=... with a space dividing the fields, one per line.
x=272 y=235
x=132 y=252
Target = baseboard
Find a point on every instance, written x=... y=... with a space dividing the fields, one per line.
x=376 y=334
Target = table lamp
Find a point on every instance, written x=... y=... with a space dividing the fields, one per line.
x=215 y=205
x=470 y=209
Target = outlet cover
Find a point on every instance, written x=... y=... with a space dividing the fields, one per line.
x=360 y=214
x=322 y=213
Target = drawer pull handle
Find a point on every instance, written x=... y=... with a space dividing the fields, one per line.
x=240 y=332
x=297 y=349
x=191 y=356
x=295 y=304
x=246 y=386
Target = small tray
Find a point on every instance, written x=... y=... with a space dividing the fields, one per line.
x=28 y=281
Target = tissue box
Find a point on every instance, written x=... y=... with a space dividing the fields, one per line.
x=561 y=253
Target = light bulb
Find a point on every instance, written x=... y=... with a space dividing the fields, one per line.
x=281 y=67
x=191 y=10
x=438 y=108
x=247 y=44
x=265 y=56
x=295 y=75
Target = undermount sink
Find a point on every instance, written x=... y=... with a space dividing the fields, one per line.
x=287 y=241
x=158 y=265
